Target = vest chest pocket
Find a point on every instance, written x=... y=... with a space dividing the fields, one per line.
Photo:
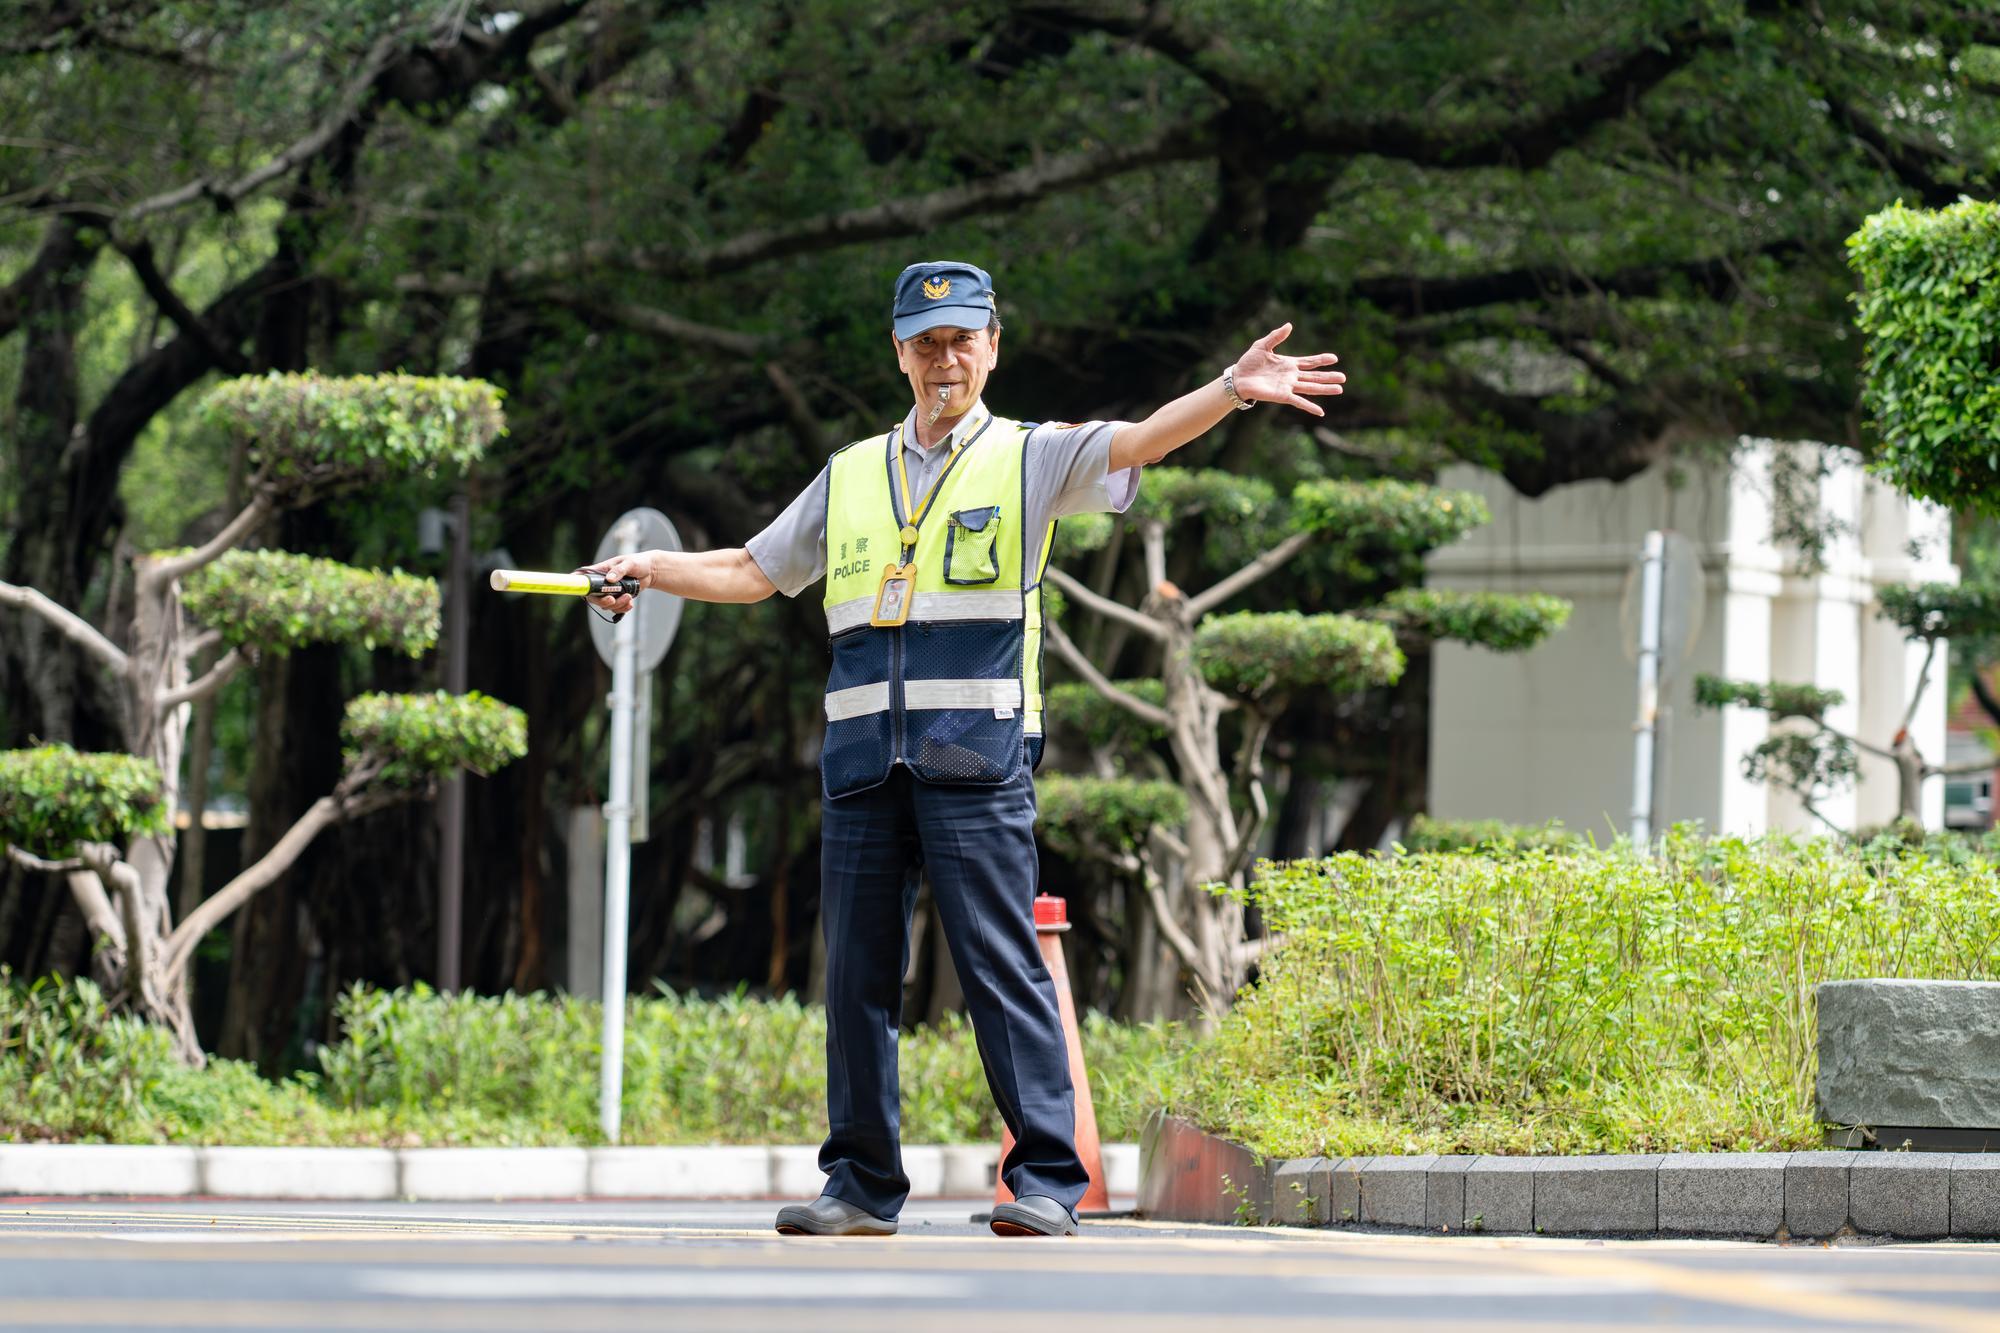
x=971 y=546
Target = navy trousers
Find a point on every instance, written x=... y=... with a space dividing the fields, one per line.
x=978 y=844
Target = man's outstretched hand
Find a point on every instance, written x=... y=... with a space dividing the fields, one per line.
x=636 y=566
x=1266 y=375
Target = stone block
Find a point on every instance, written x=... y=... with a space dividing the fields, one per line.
x=1975 y=1196
x=1121 y=1169
x=970 y=1170
x=1395 y=1190
x=299 y=1173
x=1444 y=1198
x=1614 y=1194
x=1910 y=1053
x=1300 y=1188
x=1723 y=1193
x=795 y=1173
x=91 y=1168
x=715 y=1172
x=1343 y=1185
x=1816 y=1192
x=1900 y=1193
x=1500 y=1194
x=454 y=1174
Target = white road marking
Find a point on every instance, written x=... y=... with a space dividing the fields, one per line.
x=458 y=1284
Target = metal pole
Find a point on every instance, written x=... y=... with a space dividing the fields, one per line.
x=618 y=855
x=451 y=800
x=1650 y=582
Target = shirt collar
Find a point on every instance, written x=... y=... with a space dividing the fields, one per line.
x=966 y=423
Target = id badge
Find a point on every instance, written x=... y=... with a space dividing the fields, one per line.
x=892 y=599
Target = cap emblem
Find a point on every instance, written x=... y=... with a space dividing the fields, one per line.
x=937 y=290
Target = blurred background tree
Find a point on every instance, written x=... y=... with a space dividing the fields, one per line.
x=1560 y=243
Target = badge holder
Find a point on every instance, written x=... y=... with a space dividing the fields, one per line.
x=892 y=599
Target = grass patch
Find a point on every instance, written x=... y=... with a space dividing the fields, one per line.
x=417 y=1068
x=1570 y=1001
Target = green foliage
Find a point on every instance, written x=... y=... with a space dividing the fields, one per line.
x=309 y=433
x=417 y=737
x=1078 y=816
x=1402 y=517
x=275 y=601
x=1504 y=622
x=1255 y=655
x=1489 y=837
x=1080 y=710
x=54 y=797
x=1565 y=1002
x=1930 y=310
x=1082 y=532
x=1955 y=611
x=1777 y=699
x=1812 y=763
x=1173 y=494
x=414 y=1067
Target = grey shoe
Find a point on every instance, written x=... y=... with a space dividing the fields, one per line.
x=828 y=1216
x=1032 y=1215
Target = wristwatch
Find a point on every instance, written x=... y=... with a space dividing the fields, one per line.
x=1236 y=400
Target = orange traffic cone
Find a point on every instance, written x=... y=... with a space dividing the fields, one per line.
x=1051 y=920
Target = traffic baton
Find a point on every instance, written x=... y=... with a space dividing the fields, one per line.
x=583 y=583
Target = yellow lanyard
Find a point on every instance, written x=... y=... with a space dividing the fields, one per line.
x=912 y=517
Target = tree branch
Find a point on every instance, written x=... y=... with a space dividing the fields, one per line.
x=208 y=683
x=227 y=195
x=95 y=904
x=161 y=570
x=1909 y=162
x=649 y=319
x=884 y=221
x=1131 y=703
x=1413 y=296
x=319 y=816
x=140 y=255
x=1614 y=79
x=1923 y=682
x=1269 y=562
x=71 y=624
x=29 y=861
x=1163 y=916
x=1104 y=606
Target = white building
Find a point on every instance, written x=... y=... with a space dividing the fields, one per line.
x=1548 y=734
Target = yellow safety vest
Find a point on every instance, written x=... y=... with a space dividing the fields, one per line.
x=955 y=691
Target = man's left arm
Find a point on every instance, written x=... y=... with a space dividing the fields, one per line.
x=1262 y=374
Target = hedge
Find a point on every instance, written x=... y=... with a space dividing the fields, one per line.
x=278 y=600
x=1570 y=1001
x=54 y=797
x=1254 y=655
x=417 y=737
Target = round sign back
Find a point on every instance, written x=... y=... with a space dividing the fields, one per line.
x=659 y=613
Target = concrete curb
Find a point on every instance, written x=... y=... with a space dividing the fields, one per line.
x=1925 y=1195
x=457 y=1175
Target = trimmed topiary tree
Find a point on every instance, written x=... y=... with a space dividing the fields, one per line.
x=1930 y=311
x=1814 y=759
x=1252 y=665
x=104 y=820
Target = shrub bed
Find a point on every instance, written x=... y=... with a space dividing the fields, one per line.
x=417 y=1068
x=1570 y=1001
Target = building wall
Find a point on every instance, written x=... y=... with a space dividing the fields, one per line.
x=1549 y=733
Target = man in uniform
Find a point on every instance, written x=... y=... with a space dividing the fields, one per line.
x=932 y=539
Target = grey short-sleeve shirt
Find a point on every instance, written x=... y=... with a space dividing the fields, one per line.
x=1067 y=471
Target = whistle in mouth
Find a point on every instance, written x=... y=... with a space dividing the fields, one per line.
x=937 y=408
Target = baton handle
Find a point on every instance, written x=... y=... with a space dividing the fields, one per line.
x=583 y=583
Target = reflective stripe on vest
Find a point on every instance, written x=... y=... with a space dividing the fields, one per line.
x=953 y=691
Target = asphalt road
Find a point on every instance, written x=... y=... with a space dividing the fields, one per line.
x=438 y=1267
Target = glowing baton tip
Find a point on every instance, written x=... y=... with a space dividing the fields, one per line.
x=529 y=580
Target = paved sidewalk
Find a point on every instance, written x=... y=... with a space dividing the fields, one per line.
x=592 y=1266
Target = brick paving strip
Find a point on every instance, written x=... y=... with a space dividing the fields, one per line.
x=1191 y=1176
x=785 y=1171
